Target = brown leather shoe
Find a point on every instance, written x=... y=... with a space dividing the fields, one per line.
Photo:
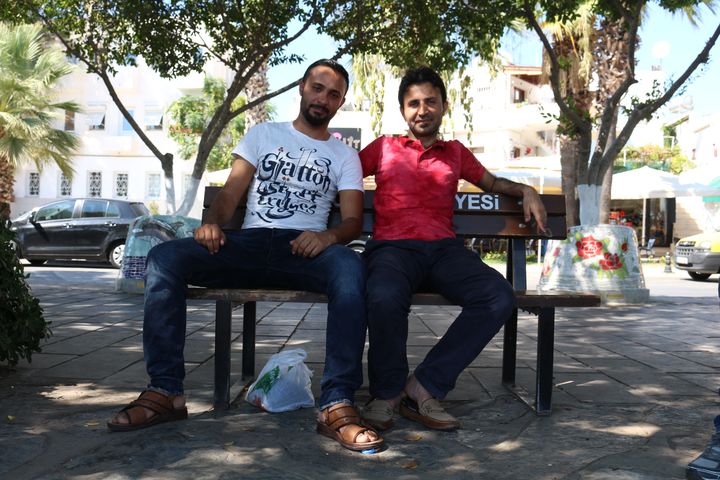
x=379 y=414
x=429 y=413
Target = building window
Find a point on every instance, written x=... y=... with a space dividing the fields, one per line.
x=127 y=128
x=121 y=185
x=518 y=95
x=94 y=184
x=33 y=184
x=152 y=182
x=153 y=119
x=69 y=121
x=96 y=120
x=65 y=186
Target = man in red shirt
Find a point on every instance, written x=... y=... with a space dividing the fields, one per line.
x=414 y=247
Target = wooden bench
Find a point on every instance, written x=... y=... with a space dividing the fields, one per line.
x=476 y=215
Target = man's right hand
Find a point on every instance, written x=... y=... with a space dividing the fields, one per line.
x=211 y=236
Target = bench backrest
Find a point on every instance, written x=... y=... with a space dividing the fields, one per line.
x=477 y=214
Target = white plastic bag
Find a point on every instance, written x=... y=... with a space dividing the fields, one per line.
x=283 y=383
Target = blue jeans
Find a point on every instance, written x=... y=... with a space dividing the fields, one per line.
x=398 y=268
x=254 y=258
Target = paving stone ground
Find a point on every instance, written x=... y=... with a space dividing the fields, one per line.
x=635 y=394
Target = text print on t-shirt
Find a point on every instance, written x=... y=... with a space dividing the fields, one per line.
x=290 y=182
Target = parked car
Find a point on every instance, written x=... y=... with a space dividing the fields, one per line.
x=77 y=228
x=699 y=255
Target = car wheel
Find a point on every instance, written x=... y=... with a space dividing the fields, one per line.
x=37 y=262
x=115 y=255
x=699 y=276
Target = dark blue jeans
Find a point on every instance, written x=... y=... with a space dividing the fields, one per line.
x=398 y=268
x=255 y=258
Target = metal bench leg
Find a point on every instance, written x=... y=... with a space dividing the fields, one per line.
x=509 y=349
x=223 y=323
x=545 y=346
x=248 y=354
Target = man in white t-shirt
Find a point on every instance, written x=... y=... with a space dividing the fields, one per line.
x=292 y=172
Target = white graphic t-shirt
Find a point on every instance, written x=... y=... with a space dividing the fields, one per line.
x=296 y=177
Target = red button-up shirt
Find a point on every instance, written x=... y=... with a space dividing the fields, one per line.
x=416 y=187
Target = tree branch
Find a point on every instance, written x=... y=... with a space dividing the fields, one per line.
x=119 y=104
x=643 y=111
x=575 y=119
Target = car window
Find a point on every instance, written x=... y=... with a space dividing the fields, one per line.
x=94 y=208
x=139 y=209
x=56 y=211
x=22 y=217
x=113 y=210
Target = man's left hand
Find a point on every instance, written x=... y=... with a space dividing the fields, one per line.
x=311 y=244
x=533 y=208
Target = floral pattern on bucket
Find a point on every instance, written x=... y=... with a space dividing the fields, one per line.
x=593 y=266
x=606 y=262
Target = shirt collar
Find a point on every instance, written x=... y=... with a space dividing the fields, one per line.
x=405 y=140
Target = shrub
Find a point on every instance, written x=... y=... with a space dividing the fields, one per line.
x=22 y=325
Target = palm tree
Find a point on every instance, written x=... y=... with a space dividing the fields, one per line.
x=30 y=69
x=574 y=41
x=257 y=87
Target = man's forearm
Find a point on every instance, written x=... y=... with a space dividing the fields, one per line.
x=508 y=187
x=221 y=210
x=346 y=231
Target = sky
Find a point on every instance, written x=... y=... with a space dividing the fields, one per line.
x=666 y=40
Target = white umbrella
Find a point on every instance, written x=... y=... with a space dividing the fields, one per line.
x=645 y=182
x=540 y=179
x=705 y=180
x=218 y=176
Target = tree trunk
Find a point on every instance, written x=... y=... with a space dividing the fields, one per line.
x=191 y=190
x=167 y=166
x=7 y=178
x=257 y=87
x=607 y=178
x=589 y=203
x=604 y=211
x=569 y=158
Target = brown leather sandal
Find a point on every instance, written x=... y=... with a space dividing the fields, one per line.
x=343 y=415
x=161 y=405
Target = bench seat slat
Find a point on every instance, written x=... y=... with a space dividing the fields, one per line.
x=525 y=298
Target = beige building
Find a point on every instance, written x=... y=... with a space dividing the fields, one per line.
x=112 y=161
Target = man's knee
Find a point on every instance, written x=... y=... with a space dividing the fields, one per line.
x=388 y=293
x=347 y=272
x=506 y=298
x=346 y=258
x=166 y=255
x=500 y=301
x=160 y=252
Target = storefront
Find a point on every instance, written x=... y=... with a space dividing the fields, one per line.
x=658 y=221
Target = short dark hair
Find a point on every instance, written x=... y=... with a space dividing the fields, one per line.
x=416 y=76
x=330 y=63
